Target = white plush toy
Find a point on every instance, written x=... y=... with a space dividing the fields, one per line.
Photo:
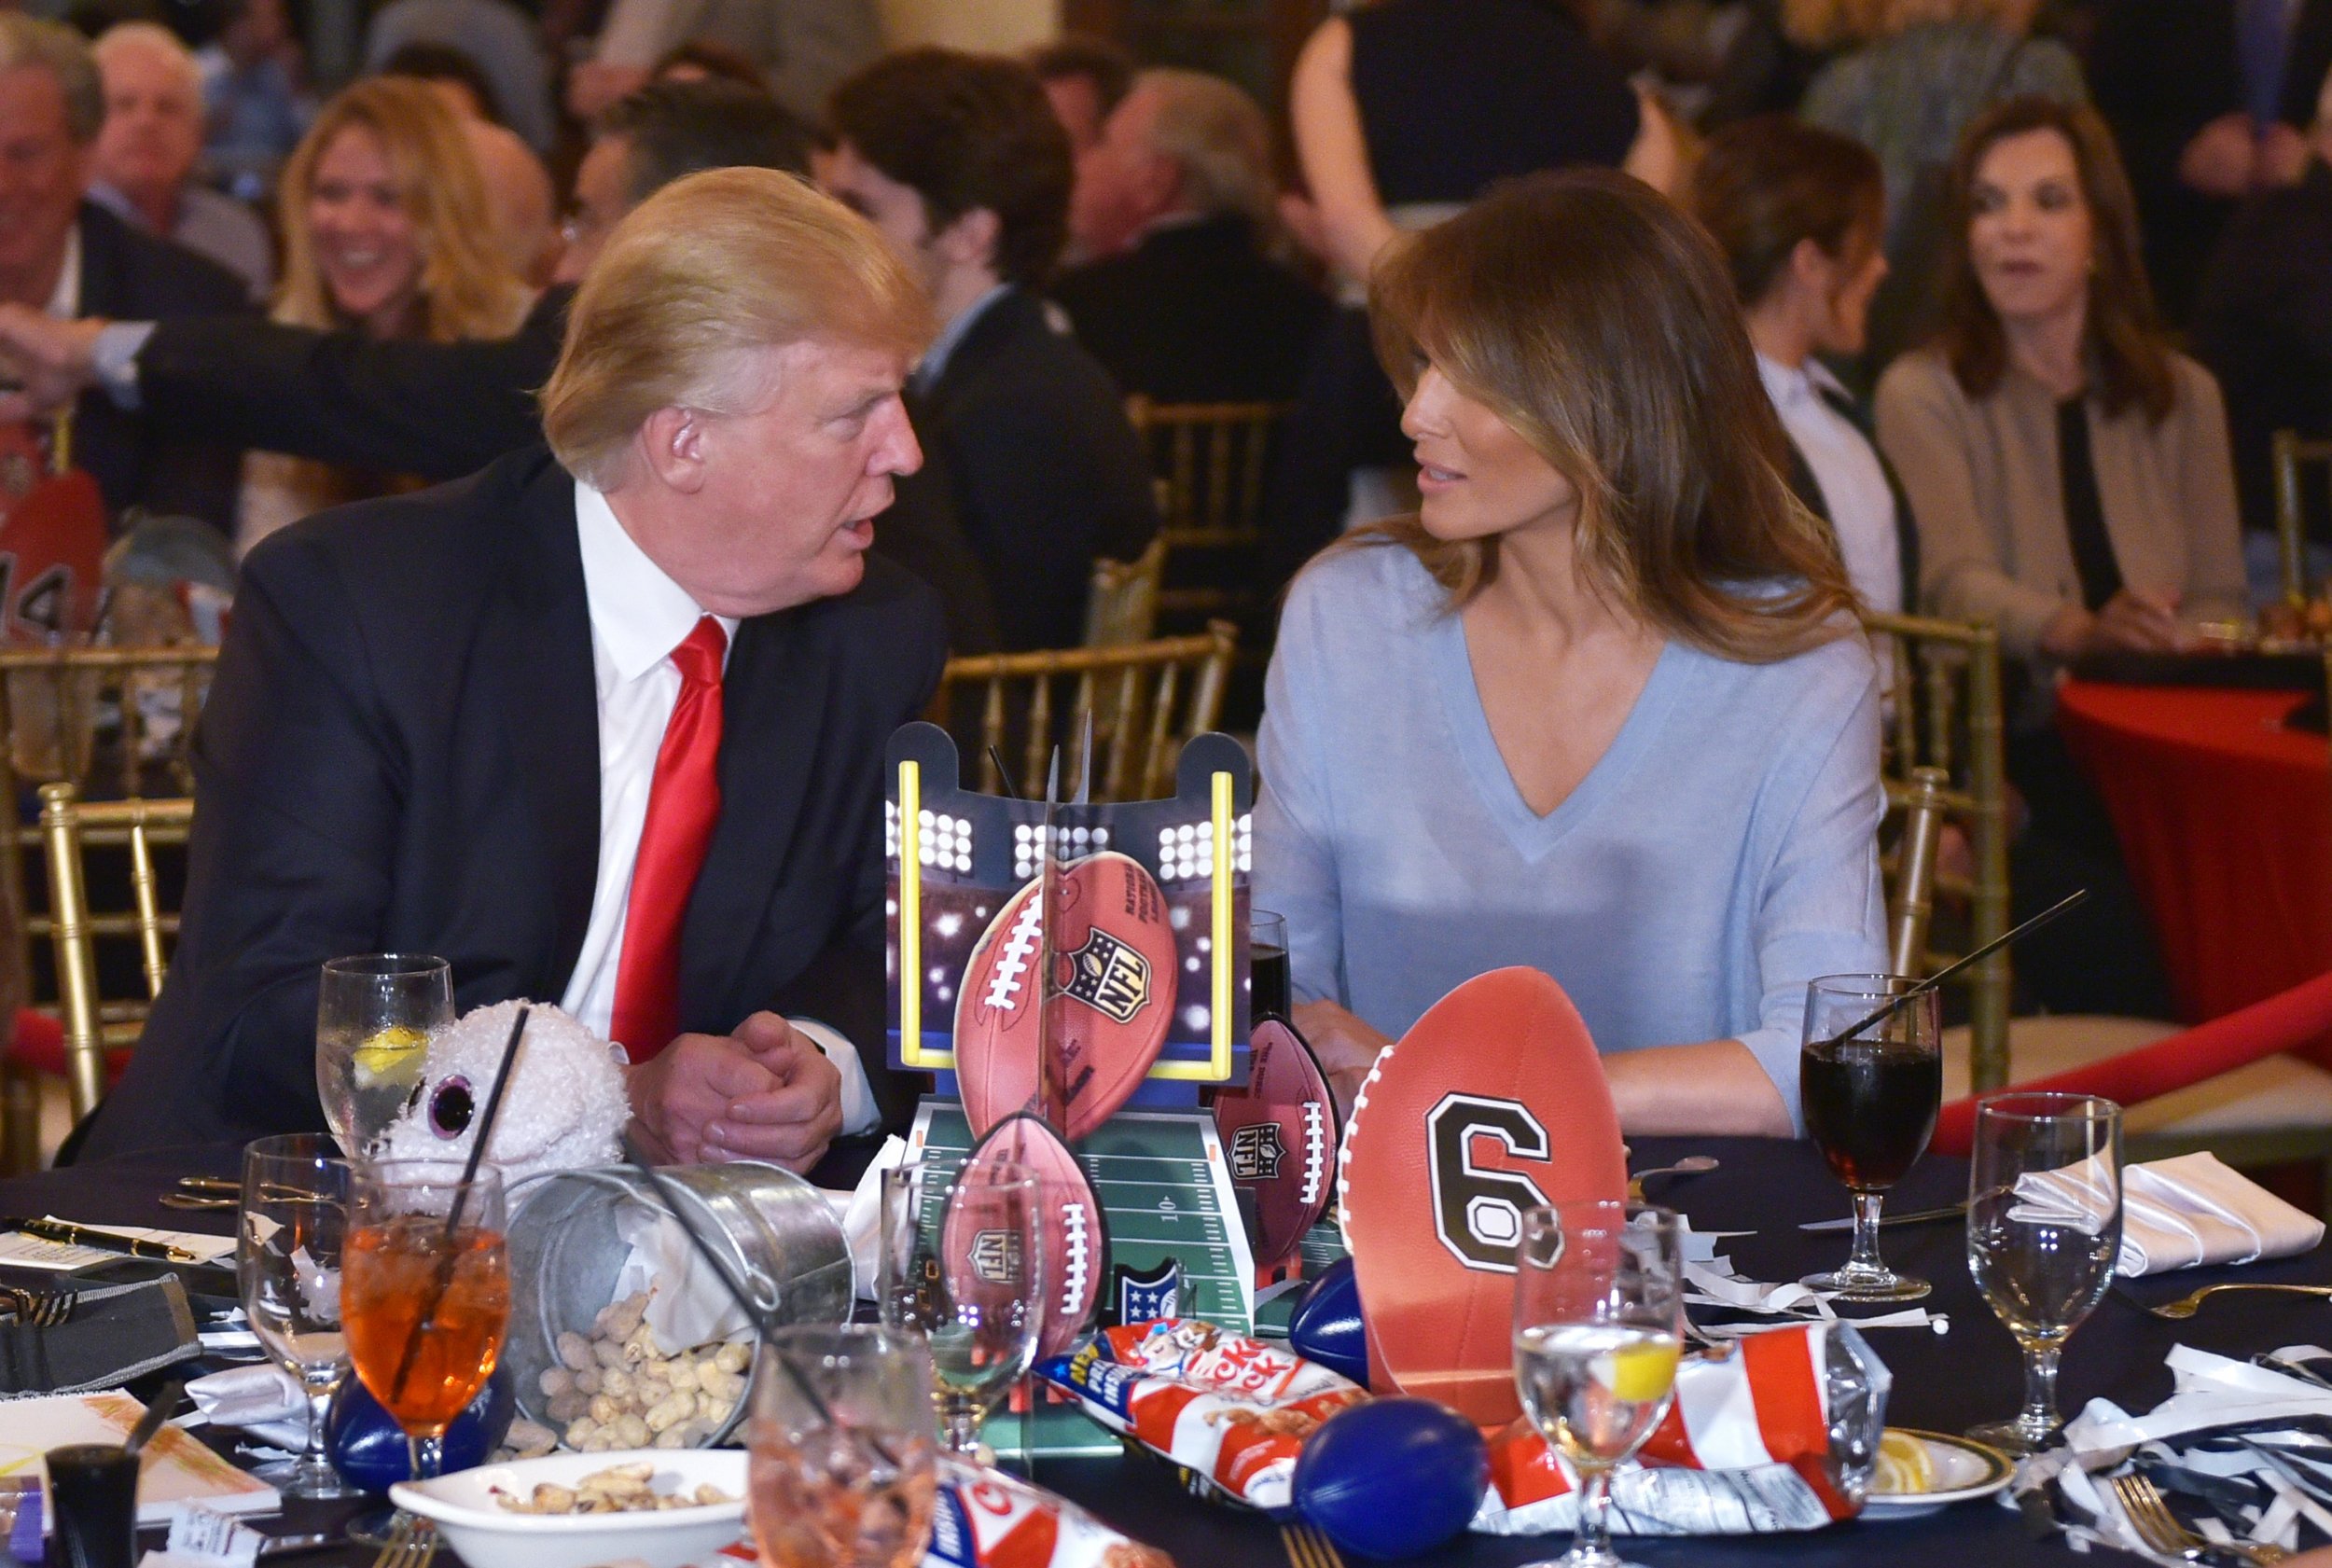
x=564 y=1110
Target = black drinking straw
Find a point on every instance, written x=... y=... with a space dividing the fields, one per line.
x=447 y=1256
x=763 y=1325
x=2067 y=902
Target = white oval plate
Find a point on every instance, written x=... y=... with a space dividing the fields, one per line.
x=487 y=1536
x=1964 y=1468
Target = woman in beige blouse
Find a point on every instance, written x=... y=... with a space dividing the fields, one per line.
x=2070 y=477
x=2069 y=470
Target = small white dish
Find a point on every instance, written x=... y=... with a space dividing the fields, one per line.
x=1964 y=1469
x=475 y=1524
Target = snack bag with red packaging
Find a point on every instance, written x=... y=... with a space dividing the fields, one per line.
x=1777 y=1431
x=986 y=1518
x=1232 y=1411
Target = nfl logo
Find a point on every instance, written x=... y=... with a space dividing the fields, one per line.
x=1146 y=1297
x=1256 y=1152
x=996 y=1256
x=1109 y=977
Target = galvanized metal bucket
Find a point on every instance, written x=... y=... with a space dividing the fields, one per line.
x=777 y=1233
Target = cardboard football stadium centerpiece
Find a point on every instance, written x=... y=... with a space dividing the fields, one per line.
x=1075 y=976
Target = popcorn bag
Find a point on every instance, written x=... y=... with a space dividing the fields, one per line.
x=986 y=1518
x=1775 y=1431
x=1232 y=1411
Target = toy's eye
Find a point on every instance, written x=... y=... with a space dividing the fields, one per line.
x=450 y=1108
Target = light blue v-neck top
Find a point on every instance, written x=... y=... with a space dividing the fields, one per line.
x=1721 y=854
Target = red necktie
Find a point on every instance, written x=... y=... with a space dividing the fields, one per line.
x=683 y=804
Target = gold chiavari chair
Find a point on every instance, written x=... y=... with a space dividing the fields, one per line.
x=2291 y=449
x=69 y=826
x=1208 y=459
x=1121 y=606
x=111 y=721
x=1144 y=702
x=1946 y=714
x=1911 y=901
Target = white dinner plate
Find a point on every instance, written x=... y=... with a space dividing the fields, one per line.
x=1964 y=1469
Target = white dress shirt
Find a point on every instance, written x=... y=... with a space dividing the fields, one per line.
x=1854 y=486
x=64 y=300
x=638 y=616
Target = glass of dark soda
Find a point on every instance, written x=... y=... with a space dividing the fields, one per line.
x=1870 y=1079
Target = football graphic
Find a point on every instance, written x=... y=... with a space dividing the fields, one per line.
x=1075 y=1240
x=1279 y=1135
x=1114 y=962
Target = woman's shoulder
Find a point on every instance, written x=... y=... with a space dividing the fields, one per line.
x=1374 y=580
x=1831 y=677
x=1918 y=372
x=2195 y=385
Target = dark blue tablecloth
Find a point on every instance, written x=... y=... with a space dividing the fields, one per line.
x=1943 y=1382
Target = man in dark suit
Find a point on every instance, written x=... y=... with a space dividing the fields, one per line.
x=64 y=257
x=2210 y=101
x=1194 y=312
x=605 y=730
x=444 y=409
x=959 y=160
x=2263 y=325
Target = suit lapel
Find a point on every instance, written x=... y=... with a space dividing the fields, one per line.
x=538 y=638
x=770 y=718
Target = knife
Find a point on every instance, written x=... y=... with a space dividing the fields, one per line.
x=74 y=1235
x=1916 y=1216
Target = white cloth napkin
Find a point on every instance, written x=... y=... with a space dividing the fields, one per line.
x=861 y=1214
x=263 y=1399
x=2176 y=1213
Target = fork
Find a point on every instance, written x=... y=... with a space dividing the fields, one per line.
x=410 y=1545
x=2148 y=1512
x=2185 y=1306
x=1306 y=1548
x=38 y=1309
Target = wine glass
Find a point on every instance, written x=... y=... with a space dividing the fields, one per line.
x=1871 y=1095
x=842 y=1470
x=2043 y=1230
x=295 y=1194
x=1598 y=1330
x=375 y=1013
x=964 y=1263
x=425 y=1293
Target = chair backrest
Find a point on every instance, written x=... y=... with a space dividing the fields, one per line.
x=1144 y=702
x=1209 y=457
x=1121 y=605
x=1945 y=713
x=2291 y=449
x=68 y=827
x=1913 y=902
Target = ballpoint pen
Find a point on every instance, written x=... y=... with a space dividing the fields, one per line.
x=104 y=1241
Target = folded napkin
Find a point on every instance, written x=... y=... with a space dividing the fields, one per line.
x=2176 y=1213
x=263 y=1399
x=861 y=1214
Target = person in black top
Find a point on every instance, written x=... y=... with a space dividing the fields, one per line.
x=2263 y=324
x=1404 y=111
x=959 y=160
x=1195 y=312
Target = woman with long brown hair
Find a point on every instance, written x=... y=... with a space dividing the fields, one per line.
x=2074 y=488
x=386 y=229
x=1601 y=707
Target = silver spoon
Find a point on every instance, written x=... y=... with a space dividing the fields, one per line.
x=1690 y=1165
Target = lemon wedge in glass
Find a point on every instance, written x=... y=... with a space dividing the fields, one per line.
x=393 y=1053
x=1643 y=1371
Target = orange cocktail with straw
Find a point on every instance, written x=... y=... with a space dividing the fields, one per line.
x=425 y=1293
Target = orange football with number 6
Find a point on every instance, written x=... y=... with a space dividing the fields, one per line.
x=1494 y=1101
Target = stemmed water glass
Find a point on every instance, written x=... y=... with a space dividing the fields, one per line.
x=963 y=1265
x=1598 y=1331
x=2043 y=1230
x=1870 y=1094
x=296 y=1192
x=841 y=1471
x=425 y=1293
x=375 y=1013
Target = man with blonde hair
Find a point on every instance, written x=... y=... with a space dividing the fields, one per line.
x=1190 y=310
x=603 y=728
x=142 y=167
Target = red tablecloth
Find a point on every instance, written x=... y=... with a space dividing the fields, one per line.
x=2224 y=818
